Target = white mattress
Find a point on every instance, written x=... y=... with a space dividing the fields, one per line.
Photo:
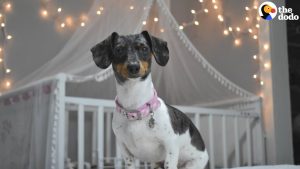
x=271 y=167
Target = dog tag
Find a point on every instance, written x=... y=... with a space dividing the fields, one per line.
x=151 y=120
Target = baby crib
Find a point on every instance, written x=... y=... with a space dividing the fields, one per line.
x=79 y=133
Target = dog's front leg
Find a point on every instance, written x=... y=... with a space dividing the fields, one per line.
x=127 y=156
x=172 y=153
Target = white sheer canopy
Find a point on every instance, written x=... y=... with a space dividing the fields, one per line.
x=187 y=79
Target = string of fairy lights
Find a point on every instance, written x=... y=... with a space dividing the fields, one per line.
x=5 y=82
x=63 y=21
x=251 y=26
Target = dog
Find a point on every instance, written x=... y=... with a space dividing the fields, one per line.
x=147 y=128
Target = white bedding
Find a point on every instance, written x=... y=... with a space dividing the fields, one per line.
x=271 y=167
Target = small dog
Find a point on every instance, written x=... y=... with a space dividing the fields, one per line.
x=145 y=126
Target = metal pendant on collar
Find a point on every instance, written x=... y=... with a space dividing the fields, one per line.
x=151 y=120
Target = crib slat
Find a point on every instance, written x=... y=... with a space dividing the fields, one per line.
x=67 y=133
x=224 y=133
x=261 y=134
x=249 y=148
x=80 y=137
x=137 y=163
x=108 y=143
x=100 y=138
x=61 y=126
x=262 y=141
x=211 y=143
x=94 y=138
x=237 y=142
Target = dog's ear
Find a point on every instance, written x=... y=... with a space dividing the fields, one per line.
x=102 y=52
x=159 y=48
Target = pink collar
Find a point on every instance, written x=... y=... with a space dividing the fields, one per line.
x=143 y=111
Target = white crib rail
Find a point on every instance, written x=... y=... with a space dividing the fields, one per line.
x=103 y=108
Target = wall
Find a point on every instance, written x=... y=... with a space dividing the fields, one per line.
x=236 y=63
x=36 y=40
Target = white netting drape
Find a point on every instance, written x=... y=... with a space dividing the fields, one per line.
x=187 y=79
x=26 y=126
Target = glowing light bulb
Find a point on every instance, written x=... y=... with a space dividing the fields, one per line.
x=267 y=65
x=144 y=22
x=7 y=84
x=254 y=57
x=101 y=8
x=215 y=6
x=237 y=42
x=8 y=6
x=261 y=82
x=266 y=46
x=247 y=8
x=214 y=1
x=62 y=25
x=193 y=11
x=8 y=70
x=254 y=76
x=0 y=15
x=8 y=37
x=131 y=7
x=206 y=10
x=44 y=13
x=1 y=60
x=255 y=7
x=196 y=23
x=98 y=12
x=155 y=19
x=250 y=30
x=2 y=24
x=82 y=24
x=238 y=29
x=258 y=18
x=225 y=32
x=247 y=18
x=220 y=17
x=59 y=9
x=230 y=29
x=200 y=1
x=257 y=25
x=254 y=36
x=162 y=30
x=180 y=27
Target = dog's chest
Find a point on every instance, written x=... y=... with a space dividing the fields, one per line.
x=142 y=141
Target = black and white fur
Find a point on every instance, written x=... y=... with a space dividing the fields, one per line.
x=174 y=142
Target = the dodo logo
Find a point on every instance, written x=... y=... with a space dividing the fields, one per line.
x=267 y=10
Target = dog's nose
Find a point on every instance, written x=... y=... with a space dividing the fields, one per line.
x=133 y=68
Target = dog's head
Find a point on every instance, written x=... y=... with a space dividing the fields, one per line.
x=130 y=55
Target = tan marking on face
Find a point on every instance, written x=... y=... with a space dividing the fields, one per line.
x=144 y=66
x=122 y=69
